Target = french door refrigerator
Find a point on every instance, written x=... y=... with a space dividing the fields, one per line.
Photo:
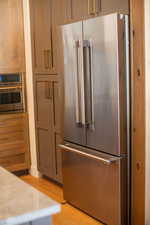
x=97 y=120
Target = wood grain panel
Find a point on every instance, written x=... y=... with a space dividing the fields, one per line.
x=12 y=57
x=42 y=37
x=138 y=112
x=14 y=141
x=147 y=82
x=13 y=160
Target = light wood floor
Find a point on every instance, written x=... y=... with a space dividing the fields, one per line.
x=69 y=215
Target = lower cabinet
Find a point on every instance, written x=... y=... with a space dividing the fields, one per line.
x=48 y=126
x=46 y=156
x=14 y=142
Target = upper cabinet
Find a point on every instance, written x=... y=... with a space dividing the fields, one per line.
x=61 y=12
x=42 y=31
x=111 y=6
x=80 y=10
x=90 y=8
x=47 y=15
x=12 y=57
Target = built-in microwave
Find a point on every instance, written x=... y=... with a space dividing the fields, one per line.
x=11 y=99
x=11 y=79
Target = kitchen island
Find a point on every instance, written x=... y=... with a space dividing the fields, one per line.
x=21 y=204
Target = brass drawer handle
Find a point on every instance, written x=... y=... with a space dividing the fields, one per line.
x=94 y=7
x=91 y=7
x=49 y=90
x=47 y=58
x=97 y=6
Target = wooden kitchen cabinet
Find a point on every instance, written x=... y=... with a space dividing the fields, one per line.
x=44 y=104
x=12 y=57
x=58 y=161
x=46 y=157
x=80 y=10
x=42 y=36
x=61 y=12
x=90 y=8
x=112 y=6
x=47 y=126
x=14 y=146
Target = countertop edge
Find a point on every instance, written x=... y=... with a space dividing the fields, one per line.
x=35 y=215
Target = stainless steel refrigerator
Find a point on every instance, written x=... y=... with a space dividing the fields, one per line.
x=96 y=149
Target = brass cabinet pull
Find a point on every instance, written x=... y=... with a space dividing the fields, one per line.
x=94 y=7
x=47 y=58
x=91 y=7
x=97 y=6
x=49 y=53
x=49 y=90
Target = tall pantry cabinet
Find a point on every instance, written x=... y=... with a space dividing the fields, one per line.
x=46 y=16
x=44 y=23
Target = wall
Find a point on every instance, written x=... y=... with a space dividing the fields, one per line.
x=147 y=75
x=29 y=83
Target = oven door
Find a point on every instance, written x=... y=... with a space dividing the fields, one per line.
x=11 y=99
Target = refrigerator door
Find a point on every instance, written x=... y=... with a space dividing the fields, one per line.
x=95 y=183
x=74 y=124
x=105 y=78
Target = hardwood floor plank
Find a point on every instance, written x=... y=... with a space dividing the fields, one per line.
x=69 y=215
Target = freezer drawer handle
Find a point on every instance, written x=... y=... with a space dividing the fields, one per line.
x=100 y=159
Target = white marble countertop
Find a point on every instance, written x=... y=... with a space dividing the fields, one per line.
x=21 y=203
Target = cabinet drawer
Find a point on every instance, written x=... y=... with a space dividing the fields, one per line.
x=13 y=160
x=14 y=145
x=12 y=122
x=11 y=137
x=113 y=6
x=96 y=186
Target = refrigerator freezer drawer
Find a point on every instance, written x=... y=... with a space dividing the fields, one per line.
x=96 y=184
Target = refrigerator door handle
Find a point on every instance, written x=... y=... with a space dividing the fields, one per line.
x=88 y=65
x=107 y=161
x=80 y=86
x=77 y=95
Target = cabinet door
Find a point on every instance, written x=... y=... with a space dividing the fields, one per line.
x=85 y=9
x=14 y=140
x=61 y=12
x=91 y=8
x=45 y=152
x=79 y=10
x=41 y=14
x=111 y=6
x=12 y=37
x=44 y=106
x=45 y=128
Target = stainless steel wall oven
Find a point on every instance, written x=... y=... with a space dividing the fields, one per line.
x=12 y=93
